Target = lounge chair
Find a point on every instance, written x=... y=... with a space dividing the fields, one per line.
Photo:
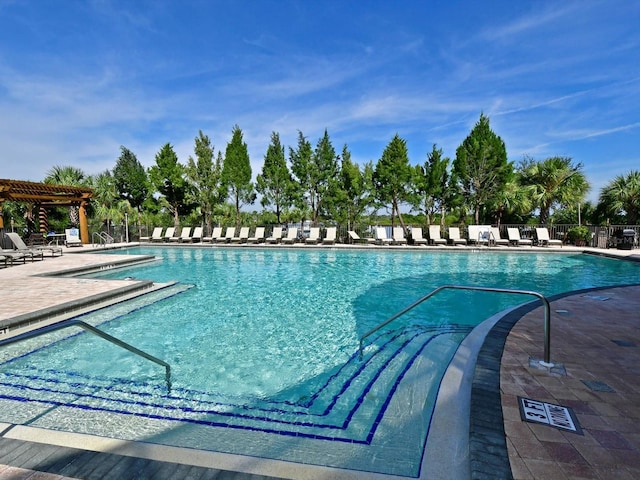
x=329 y=236
x=72 y=237
x=496 y=238
x=314 y=236
x=229 y=234
x=258 y=236
x=156 y=236
x=542 y=234
x=514 y=238
x=170 y=233
x=398 y=237
x=292 y=236
x=196 y=236
x=242 y=237
x=479 y=234
x=12 y=256
x=217 y=232
x=416 y=236
x=276 y=235
x=17 y=255
x=185 y=235
x=21 y=247
x=434 y=235
x=381 y=236
x=355 y=238
x=6 y=260
x=455 y=238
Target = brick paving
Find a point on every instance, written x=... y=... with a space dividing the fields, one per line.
x=595 y=337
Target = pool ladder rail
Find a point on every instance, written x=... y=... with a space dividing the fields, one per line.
x=90 y=328
x=546 y=362
x=101 y=238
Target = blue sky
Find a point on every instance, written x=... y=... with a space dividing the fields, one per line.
x=78 y=79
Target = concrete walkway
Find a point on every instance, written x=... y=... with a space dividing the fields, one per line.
x=595 y=349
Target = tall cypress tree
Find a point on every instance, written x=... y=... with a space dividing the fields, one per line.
x=236 y=172
x=392 y=176
x=481 y=168
x=275 y=183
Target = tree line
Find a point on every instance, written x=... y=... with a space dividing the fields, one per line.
x=302 y=182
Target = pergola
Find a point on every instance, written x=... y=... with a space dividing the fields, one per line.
x=46 y=196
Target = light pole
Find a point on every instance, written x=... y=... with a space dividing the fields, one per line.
x=126 y=227
x=579 y=219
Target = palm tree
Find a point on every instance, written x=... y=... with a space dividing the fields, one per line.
x=622 y=194
x=66 y=175
x=69 y=176
x=553 y=182
x=108 y=206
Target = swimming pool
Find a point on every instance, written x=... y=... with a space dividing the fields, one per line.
x=263 y=348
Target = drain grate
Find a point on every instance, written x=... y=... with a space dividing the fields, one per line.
x=557 y=416
x=624 y=343
x=597 y=386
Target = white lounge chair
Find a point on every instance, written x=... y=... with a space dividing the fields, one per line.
x=416 y=236
x=242 y=237
x=196 y=236
x=72 y=237
x=514 y=238
x=185 y=235
x=276 y=235
x=496 y=238
x=229 y=234
x=156 y=236
x=292 y=236
x=314 y=236
x=455 y=238
x=434 y=235
x=258 y=236
x=381 y=236
x=329 y=236
x=398 y=237
x=169 y=234
x=217 y=233
x=355 y=238
x=542 y=234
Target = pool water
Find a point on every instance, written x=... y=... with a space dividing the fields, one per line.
x=263 y=346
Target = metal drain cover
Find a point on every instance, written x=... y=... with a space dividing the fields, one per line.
x=550 y=414
x=597 y=386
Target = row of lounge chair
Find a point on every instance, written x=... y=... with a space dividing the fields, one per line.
x=478 y=235
x=241 y=235
x=488 y=235
x=21 y=252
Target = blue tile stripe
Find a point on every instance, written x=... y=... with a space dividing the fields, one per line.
x=409 y=342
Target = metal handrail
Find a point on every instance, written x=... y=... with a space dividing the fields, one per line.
x=547 y=314
x=94 y=330
x=103 y=236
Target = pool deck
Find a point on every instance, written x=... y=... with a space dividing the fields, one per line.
x=595 y=352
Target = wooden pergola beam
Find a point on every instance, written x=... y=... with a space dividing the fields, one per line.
x=49 y=195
